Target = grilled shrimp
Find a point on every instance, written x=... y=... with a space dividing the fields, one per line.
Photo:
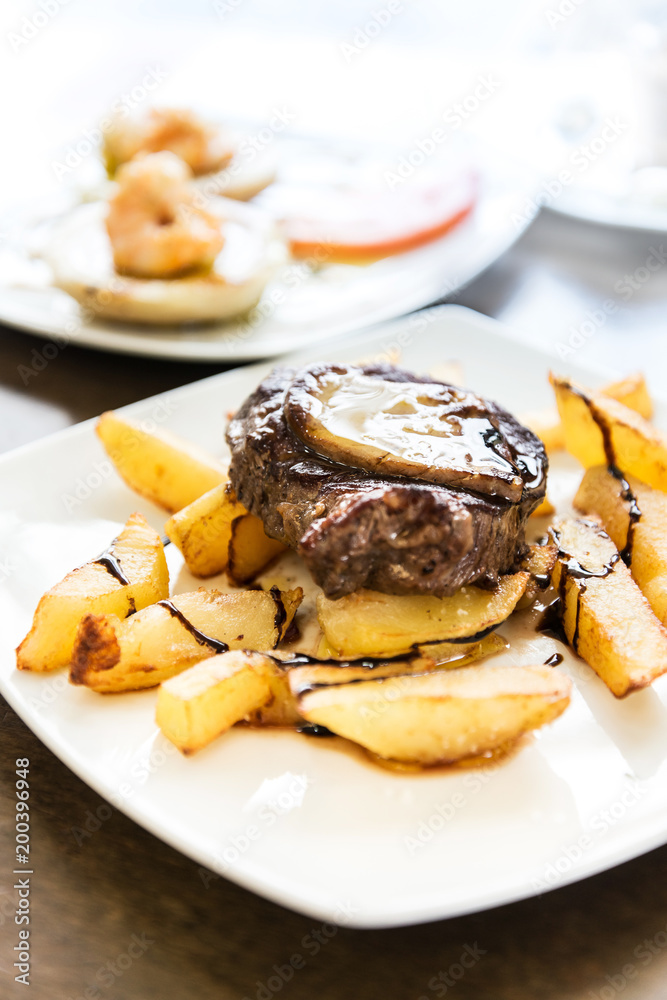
x=155 y=227
x=203 y=146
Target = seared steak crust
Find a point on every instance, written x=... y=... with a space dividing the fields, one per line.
x=355 y=529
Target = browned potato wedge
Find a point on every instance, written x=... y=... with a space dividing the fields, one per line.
x=444 y=654
x=196 y=706
x=203 y=529
x=369 y=623
x=457 y=654
x=208 y=699
x=250 y=549
x=313 y=676
x=607 y=619
x=216 y=532
x=632 y=391
x=158 y=465
x=644 y=538
x=631 y=442
x=280 y=709
x=167 y=638
x=438 y=716
x=92 y=589
x=539 y=562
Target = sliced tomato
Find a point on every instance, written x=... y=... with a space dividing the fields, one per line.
x=359 y=224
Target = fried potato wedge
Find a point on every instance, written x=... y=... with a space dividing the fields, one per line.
x=167 y=638
x=216 y=532
x=458 y=654
x=643 y=536
x=607 y=619
x=439 y=716
x=250 y=549
x=369 y=623
x=313 y=676
x=589 y=418
x=202 y=530
x=539 y=561
x=286 y=679
x=632 y=391
x=281 y=708
x=92 y=589
x=158 y=465
x=196 y=706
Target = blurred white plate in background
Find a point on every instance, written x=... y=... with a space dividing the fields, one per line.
x=315 y=306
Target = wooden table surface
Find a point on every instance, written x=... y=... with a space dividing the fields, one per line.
x=122 y=916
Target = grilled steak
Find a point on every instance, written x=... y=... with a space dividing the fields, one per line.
x=356 y=525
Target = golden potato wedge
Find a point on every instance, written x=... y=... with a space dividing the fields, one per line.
x=457 y=654
x=454 y=654
x=606 y=618
x=250 y=549
x=601 y=431
x=208 y=699
x=203 y=529
x=642 y=537
x=216 y=532
x=167 y=638
x=93 y=589
x=281 y=708
x=369 y=623
x=547 y=425
x=327 y=673
x=632 y=391
x=439 y=716
x=156 y=464
x=539 y=561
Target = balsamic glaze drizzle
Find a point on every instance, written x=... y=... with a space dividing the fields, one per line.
x=554 y=660
x=200 y=637
x=314 y=729
x=551 y=623
x=112 y=564
x=572 y=568
x=634 y=513
x=281 y=614
x=461 y=639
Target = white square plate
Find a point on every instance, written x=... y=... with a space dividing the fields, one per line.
x=306 y=822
